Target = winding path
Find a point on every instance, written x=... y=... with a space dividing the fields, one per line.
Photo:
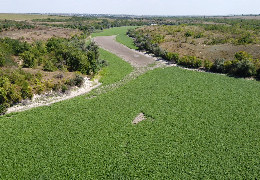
x=135 y=58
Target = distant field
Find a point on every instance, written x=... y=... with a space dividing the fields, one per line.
x=23 y=17
x=120 y=33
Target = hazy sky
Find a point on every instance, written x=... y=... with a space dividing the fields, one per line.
x=137 y=7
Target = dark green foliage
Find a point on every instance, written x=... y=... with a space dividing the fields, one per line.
x=198 y=35
x=15 y=46
x=190 y=61
x=242 y=55
x=29 y=59
x=77 y=81
x=218 y=66
x=3 y=107
x=207 y=64
x=2 y=59
x=26 y=90
x=258 y=74
x=244 y=68
x=74 y=55
x=174 y=57
x=243 y=65
x=188 y=34
x=49 y=66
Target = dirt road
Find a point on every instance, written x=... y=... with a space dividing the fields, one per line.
x=135 y=58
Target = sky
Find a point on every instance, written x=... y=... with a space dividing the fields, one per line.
x=133 y=7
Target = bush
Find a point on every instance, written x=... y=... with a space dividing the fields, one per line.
x=2 y=59
x=64 y=88
x=188 y=34
x=49 y=66
x=29 y=60
x=242 y=55
x=172 y=56
x=77 y=81
x=3 y=108
x=190 y=61
x=26 y=91
x=244 y=68
x=258 y=74
x=207 y=65
x=218 y=66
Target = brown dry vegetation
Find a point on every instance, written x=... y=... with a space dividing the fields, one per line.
x=39 y=33
x=172 y=38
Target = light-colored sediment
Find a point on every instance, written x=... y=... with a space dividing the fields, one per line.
x=53 y=97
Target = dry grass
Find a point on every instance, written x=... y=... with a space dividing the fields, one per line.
x=39 y=33
x=26 y=17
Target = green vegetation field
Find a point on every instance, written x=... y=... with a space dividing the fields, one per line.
x=116 y=69
x=120 y=33
x=200 y=125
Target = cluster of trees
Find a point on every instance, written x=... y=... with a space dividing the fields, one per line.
x=8 y=24
x=17 y=85
x=243 y=64
x=74 y=55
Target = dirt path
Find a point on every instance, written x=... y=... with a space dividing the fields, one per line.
x=135 y=58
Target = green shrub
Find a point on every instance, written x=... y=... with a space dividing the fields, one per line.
x=3 y=108
x=244 y=68
x=3 y=95
x=242 y=55
x=13 y=94
x=64 y=88
x=49 y=66
x=26 y=91
x=218 y=66
x=198 y=35
x=188 y=34
x=172 y=56
x=245 y=39
x=77 y=81
x=258 y=74
x=228 y=66
x=207 y=64
x=190 y=61
x=40 y=87
x=29 y=59
x=2 y=59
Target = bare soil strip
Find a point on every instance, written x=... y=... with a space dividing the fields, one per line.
x=135 y=58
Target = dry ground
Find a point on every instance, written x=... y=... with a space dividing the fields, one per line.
x=175 y=41
x=39 y=33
